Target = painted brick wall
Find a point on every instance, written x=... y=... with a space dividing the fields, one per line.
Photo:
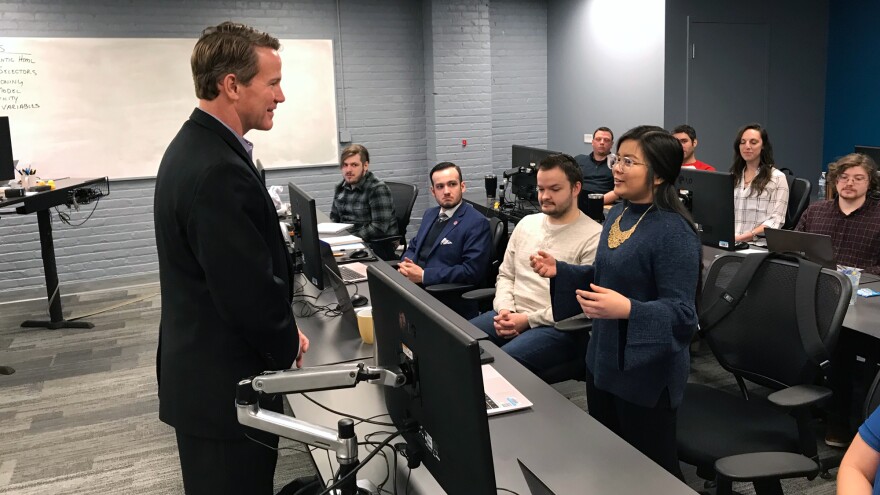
x=384 y=94
x=418 y=77
x=519 y=77
x=461 y=79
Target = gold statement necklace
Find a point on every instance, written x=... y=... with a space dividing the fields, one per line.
x=616 y=237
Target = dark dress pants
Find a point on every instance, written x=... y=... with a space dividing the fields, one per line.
x=223 y=466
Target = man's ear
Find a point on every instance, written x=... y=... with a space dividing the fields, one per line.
x=228 y=86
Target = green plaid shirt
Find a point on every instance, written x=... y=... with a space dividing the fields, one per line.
x=367 y=205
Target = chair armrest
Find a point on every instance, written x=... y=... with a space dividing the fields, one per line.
x=447 y=288
x=574 y=324
x=387 y=238
x=799 y=396
x=766 y=465
x=479 y=294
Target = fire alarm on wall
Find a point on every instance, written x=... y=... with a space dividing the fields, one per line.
x=464 y=142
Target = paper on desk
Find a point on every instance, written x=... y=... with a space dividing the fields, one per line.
x=332 y=228
x=342 y=239
x=347 y=247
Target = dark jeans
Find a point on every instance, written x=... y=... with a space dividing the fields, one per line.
x=222 y=466
x=538 y=349
x=651 y=430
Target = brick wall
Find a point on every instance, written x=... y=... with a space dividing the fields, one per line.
x=393 y=56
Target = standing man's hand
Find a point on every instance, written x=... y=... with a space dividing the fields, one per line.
x=303 y=348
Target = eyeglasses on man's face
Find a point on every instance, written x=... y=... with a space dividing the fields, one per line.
x=857 y=179
x=625 y=162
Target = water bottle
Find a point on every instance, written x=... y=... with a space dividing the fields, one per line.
x=821 y=188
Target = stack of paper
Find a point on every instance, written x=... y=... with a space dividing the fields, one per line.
x=332 y=228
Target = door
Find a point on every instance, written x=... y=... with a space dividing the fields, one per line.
x=727 y=78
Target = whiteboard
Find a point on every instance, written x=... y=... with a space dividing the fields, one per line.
x=91 y=107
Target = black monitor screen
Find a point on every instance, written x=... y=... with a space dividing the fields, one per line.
x=443 y=408
x=7 y=167
x=709 y=197
x=305 y=221
x=871 y=151
x=523 y=156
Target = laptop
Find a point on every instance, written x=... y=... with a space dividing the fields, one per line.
x=536 y=486
x=501 y=396
x=350 y=273
x=349 y=318
x=814 y=247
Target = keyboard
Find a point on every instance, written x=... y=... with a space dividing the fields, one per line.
x=349 y=275
x=490 y=404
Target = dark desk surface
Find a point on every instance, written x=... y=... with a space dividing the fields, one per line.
x=562 y=444
x=48 y=199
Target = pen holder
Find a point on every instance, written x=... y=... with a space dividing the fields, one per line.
x=25 y=181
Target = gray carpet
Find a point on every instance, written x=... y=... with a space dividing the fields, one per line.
x=79 y=416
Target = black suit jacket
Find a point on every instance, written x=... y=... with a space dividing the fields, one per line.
x=226 y=280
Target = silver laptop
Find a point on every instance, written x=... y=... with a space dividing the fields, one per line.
x=814 y=247
x=501 y=396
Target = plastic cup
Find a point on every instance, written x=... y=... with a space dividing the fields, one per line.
x=365 y=325
x=854 y=275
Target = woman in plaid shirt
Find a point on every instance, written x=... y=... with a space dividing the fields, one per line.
x=760 y=196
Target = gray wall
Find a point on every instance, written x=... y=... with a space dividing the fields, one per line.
x=605 y=60
x=796 y=93
x=391 y=63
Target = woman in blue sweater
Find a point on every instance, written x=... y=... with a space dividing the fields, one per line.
x=642 y=299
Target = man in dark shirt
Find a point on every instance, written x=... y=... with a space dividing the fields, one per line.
x=597 y=174
x=852 y=219
x=365 y=201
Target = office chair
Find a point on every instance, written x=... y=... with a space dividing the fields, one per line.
x=763 y=339
x=798 y=200
x=403 y=196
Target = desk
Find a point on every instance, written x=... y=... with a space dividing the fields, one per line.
x=40 y=203
x=562 y=444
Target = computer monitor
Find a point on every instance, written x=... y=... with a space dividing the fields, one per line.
x=871 y=151
x=525 y=160
x=443 y=408
x=305 y=227
x=7 y=166
x=709 y=197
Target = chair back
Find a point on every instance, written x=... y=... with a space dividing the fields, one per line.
x=759 y=339
x=798 y=200
x=403 y=196
x=873 y=398
x=496 y=253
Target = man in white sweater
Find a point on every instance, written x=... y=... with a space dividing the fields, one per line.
x=522 y=322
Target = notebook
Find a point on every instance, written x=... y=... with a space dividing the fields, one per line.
x=501 y=396
x=536 y=486
x=814 y=247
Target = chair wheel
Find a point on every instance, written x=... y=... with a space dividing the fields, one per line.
x=709 y=484
x=826 y=475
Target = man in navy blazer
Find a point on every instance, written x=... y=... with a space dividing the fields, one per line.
x=226 y=276
x=453 y=243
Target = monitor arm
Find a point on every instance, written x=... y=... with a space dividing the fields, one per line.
x=342 y=441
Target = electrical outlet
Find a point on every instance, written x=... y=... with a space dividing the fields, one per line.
x=588 y=139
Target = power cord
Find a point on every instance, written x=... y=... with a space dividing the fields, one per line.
x=360 y=420
x=353 y=472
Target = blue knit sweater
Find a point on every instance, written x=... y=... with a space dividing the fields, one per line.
x=657 y=269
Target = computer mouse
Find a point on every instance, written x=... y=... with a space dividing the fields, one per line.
x=358 y=300
x=358 y=254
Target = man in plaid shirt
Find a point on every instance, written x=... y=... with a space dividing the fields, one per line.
x=365 y=201
x=853 y=218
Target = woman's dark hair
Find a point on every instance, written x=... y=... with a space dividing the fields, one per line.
x=663 y=156
x=765 y=164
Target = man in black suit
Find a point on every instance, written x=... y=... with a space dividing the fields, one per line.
x=225 y=272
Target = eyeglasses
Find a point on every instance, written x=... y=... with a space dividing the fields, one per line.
x=625 y=162
x=858 y=179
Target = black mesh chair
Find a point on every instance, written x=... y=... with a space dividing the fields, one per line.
x=744 y=437
x=403 y=196
x=798 y=200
